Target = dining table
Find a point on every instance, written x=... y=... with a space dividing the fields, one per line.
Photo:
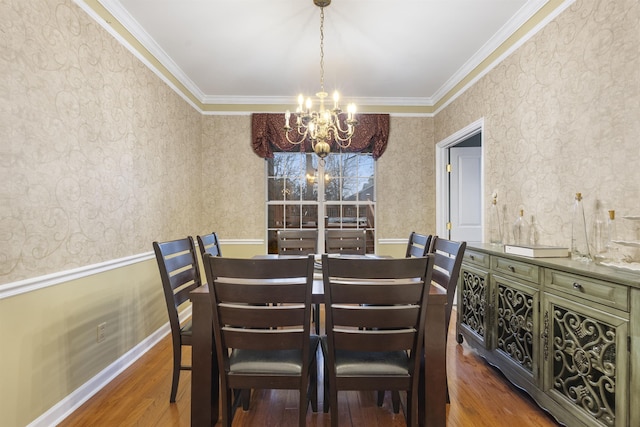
x=205 y=390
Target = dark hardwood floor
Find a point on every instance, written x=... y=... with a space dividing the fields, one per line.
x=480 y=396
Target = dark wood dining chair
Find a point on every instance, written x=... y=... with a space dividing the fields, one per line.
x=261 y=323
x=446 y=270
x=209 y=244
x=178 y=265
x=418 y=245
x=345 y=241
x=297 y=242
x=375 y=319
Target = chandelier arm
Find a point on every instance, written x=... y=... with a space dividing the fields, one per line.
x=304 y=136
x=349 y=127
x=340 y=139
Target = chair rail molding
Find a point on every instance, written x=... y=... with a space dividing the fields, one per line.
x=33 y=284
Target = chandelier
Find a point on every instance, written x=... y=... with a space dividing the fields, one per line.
x=323 y=126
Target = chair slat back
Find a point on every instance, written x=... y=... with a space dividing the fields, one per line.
x=418 y=245
x=297 y=242
x=375 y=304
x=178 y=265
x=345 y=241
x=448 y=259
x=209 y=244
x=260 y=304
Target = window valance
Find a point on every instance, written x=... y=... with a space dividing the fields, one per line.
x=268 y=135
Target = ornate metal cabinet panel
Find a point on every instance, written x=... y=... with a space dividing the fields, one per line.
x=516 y=324
x=474 y=305
x=585 y=356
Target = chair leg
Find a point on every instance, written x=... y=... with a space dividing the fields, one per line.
x=245 y=397
x=226 y=400
x=316 y=317
x=380 y=397
x=177 y=361
x=313 y=384
x=325 y=390
x=447 y=387
x=395 y=401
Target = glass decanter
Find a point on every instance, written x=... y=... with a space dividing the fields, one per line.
x=579 y=241
x=495 y=228
x=520 y=230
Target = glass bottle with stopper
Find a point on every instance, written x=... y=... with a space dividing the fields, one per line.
x=495 y=228
x=520 y=230
x=579 y=242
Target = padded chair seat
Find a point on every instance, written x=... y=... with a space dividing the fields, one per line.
x=369 y=363
x=286 y=362
x=187 y=328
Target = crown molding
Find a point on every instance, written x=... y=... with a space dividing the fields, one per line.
x=523 y=15
x=112 y=16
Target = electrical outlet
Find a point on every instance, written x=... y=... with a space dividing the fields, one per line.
x=101 y=331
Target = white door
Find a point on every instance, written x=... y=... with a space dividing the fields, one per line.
x=465 y=196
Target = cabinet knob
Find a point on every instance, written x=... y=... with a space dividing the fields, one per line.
x=512 y=268
x=577 y=286
x=472 y=257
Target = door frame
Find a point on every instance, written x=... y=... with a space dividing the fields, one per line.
x=442 y=178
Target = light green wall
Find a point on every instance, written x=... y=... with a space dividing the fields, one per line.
x=49 y=345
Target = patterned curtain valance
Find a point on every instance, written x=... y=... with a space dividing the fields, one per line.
x=268 y=135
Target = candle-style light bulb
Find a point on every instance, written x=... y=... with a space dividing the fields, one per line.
x=287 y=116
x=351 y=109
x=336 y=98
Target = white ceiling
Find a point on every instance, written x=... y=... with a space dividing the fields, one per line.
x=377 y=52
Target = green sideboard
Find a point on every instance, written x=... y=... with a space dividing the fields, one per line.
x=567 y=333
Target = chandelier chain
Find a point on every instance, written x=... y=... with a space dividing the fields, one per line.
x=322 y=49
x=325 y=126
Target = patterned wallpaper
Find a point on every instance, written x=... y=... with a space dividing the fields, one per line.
x=234 y=177
x=562 y=115
x=99 y=157
x=234 y=190
x=94 y=145
x=406 y=180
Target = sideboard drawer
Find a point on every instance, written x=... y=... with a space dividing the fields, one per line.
x=595 y=290
x=521 y=270
x=478 y=258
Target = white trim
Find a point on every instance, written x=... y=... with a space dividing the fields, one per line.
x=115 y=8
x=466 y=68
x=41 y=282
x=525 y=13
x=61 y=410
x=393 y=241
x=242 y=241
x=36 y=283
x=107 y=26
x=442 y=190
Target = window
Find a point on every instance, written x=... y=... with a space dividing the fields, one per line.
x=302 y=192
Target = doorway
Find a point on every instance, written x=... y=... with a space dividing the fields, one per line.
x=460 y=185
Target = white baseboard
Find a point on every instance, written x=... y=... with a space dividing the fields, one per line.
x=73 y=401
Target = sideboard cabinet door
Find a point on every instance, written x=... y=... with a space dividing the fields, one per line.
x=517 y=325
x=474 y=305
x=585 y=357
